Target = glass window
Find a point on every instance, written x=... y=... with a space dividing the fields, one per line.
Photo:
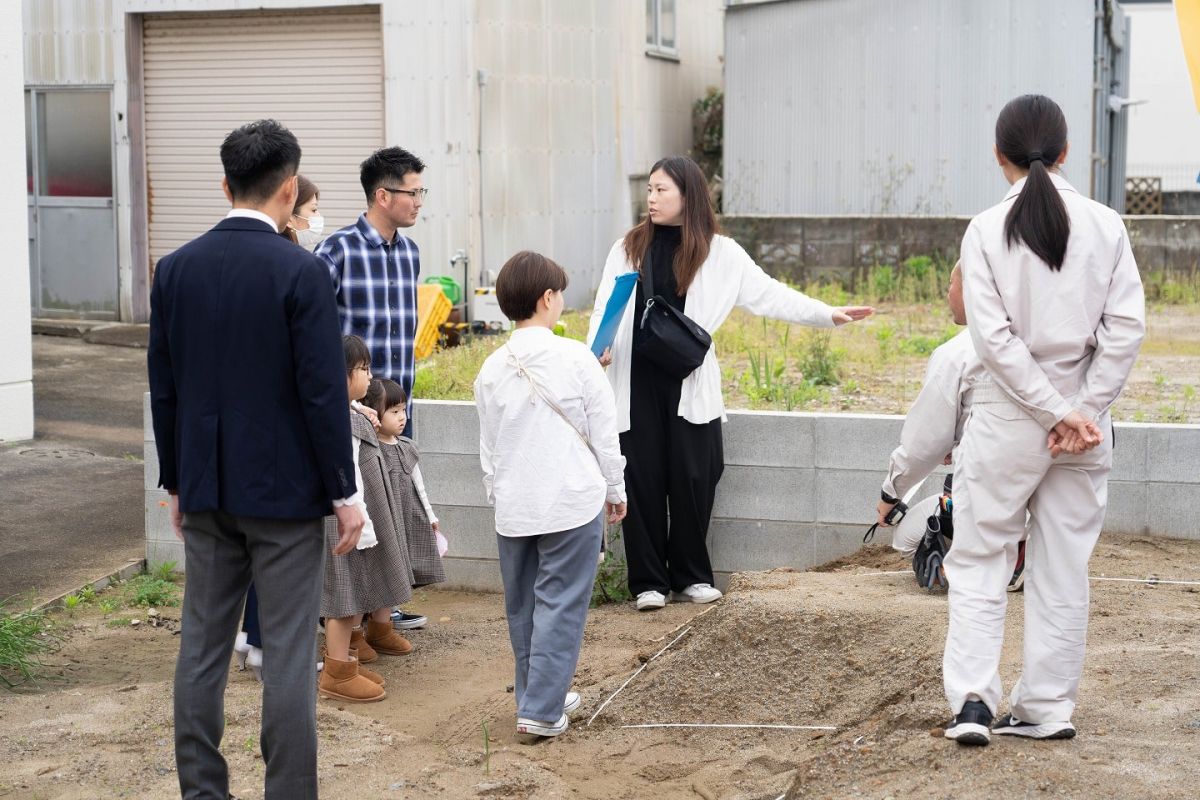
x=660 y=26
x=28 y=143
x=666 y=24
x=74 y=144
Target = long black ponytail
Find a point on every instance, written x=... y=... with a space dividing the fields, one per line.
x=1031 y=132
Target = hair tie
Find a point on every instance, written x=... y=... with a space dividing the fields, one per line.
x=1036 y=155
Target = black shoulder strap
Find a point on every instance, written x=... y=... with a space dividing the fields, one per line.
x=647 y=274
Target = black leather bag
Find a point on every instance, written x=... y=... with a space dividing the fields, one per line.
x=672 y=340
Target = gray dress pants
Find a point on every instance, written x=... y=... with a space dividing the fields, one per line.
x=285 y=559
x=547 y=588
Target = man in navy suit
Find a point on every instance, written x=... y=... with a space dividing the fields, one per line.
x=248 y=393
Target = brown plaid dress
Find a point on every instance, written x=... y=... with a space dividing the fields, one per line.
x=379 y=576
x=401 y=459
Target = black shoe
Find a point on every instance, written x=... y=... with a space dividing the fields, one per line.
x=1009 y=725
x=972 y=725
x=1017 y=583
x=403 y=621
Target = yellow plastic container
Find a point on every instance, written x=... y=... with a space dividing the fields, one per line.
x=433 y=309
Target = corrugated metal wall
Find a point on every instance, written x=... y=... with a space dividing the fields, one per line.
x=860 y=106
x=318 y=72
x=68 y=41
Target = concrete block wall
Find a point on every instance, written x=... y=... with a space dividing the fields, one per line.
x=800 y=249
x=799 y=489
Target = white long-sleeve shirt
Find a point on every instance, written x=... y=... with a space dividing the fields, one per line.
x=1055 y=340
x=727 y=278
x=934 y=424
x=538 y=472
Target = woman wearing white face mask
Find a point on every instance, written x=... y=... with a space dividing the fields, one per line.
x=306 y=223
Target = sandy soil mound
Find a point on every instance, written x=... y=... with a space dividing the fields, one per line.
x=850 y=647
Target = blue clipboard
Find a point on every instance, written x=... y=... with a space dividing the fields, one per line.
x=607 y=332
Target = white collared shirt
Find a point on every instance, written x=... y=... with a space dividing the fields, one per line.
x=1055 y=340
x=251 y=213
x=537 y=470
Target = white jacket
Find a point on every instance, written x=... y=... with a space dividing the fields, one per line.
x=934 y=424
x=1053 y=341
x=727 y=278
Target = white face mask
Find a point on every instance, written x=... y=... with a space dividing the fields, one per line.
x=311 y=237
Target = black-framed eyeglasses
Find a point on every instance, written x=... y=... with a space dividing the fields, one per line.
x=416 y=194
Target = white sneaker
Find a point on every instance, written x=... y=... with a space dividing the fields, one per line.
x=699 y=593
x=572 y=702
x=648 y=601
x=540 y=728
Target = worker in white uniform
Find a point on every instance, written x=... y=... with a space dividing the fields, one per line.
x=932 y=430
x=934 y=424
x=1057 y=317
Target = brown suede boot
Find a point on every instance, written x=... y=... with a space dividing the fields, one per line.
x=369 y=674
x=366 y=653
x=383 y=637
x=340 y=681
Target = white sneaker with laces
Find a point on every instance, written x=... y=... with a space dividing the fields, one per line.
x=572 y=702
x=539 y=728
x=648 y=601
x=699 y=593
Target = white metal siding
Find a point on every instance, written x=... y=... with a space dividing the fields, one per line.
x=319 y=72
x=861 y=107
x=67 y=41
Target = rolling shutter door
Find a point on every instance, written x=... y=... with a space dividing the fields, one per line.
x=318 y=72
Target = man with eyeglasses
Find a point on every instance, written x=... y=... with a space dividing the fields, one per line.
x=375 y=267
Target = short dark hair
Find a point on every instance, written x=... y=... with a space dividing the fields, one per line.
x=258 y=157
x=383 y=394
x=523 y=279
x=387 y=165
x=356 y=352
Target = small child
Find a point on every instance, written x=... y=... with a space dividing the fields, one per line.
x=372 y=578
x=419 y=523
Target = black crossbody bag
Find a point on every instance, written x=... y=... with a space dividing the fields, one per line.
x=672 y=340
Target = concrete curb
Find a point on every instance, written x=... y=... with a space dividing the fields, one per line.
x=95 y=331
x=123 y=574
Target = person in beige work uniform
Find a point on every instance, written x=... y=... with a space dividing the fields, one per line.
x=1057 y=316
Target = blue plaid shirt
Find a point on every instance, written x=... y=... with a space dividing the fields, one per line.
x=375 y=283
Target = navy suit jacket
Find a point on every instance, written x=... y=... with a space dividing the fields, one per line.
x=247 y=376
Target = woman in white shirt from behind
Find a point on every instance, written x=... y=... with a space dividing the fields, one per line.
x=1057 y=317
x=551 y=463
x=671 y=428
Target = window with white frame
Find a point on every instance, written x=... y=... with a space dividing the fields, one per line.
x=660 y=28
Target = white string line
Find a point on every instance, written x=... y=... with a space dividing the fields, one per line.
x=731 y=725
x=1090 y=578
x=1144 y=580
x=634 y=675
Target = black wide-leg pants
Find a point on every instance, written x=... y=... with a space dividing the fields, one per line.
x=671 y=472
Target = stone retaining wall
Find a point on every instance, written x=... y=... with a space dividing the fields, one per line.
x=799 y=489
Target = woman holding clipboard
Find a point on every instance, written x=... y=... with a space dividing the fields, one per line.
x=669 y=408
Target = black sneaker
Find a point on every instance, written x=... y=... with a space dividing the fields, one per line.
x=972 y=725
x=1008 y=725
x=403 y=621
x=1018 y=577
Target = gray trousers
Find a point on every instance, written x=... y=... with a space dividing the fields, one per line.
x=547 y=587
x=285 y=559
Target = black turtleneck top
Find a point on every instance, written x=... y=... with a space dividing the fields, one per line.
x=662 y=252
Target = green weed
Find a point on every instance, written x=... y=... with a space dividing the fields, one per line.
x=25 y=637
x=72 y=602
x=165 y=571
x=149 y=591
x=612 y=577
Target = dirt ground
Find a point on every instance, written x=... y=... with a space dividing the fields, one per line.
x=845 y=646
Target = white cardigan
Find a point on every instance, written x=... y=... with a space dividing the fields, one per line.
x=727 y=278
